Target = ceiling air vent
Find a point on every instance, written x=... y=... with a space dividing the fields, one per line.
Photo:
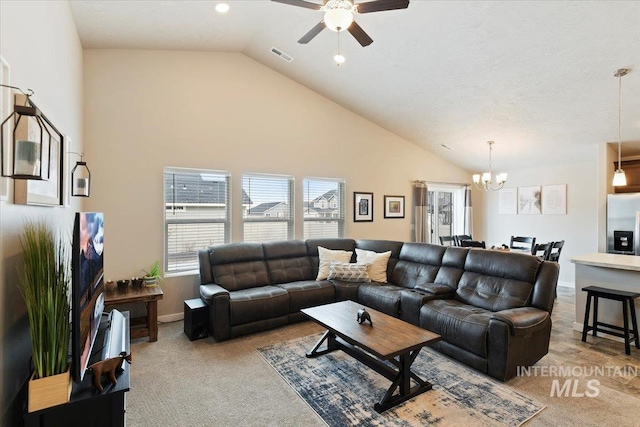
x=446 y=147
x=281 y=54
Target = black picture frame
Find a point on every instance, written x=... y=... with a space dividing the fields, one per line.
x=394 y=206
x=362 y=206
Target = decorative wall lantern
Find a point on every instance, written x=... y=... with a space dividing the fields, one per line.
x=80 y=178
x=30 y=144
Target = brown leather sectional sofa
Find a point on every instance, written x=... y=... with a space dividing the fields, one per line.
x=492 y=309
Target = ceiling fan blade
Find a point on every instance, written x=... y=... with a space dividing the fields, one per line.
x=312 y=33
x=359 y=34
x=300 y=3
x=380 y=5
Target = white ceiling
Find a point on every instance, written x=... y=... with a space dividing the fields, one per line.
x=535 y=76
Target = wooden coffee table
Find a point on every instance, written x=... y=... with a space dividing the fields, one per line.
x=389 y=339
x=149 y=295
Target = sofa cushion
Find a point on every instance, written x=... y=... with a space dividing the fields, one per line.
x=349 y=272
x=308 y=293
x=287 y=261
x=378 y=263
x=384 y=298
x=264 y=302
x=380 y=246
x=326 y=256
x=333 y=244
x=418 y=265
x=452 y=267
x=238 y=266
x=462 y=325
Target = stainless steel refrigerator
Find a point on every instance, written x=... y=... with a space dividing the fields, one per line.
x=623 y=223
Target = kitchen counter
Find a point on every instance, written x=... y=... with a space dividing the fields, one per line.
x=620 y=262
x=612 y=271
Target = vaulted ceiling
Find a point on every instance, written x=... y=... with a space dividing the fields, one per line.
x=535 y=76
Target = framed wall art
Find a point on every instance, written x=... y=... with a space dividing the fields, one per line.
x=362 y=206
x=554 y=199
x=508 y=201
x=529 y=200
x=394 y=206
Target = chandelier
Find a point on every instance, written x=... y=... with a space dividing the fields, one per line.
x=485 y=181
x=619 y=178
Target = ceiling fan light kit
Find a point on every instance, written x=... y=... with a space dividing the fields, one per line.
x=338 y=16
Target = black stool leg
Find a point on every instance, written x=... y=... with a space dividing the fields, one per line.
x=634 y=321
x=595 y=315
x=585 y=327
x=625 y=314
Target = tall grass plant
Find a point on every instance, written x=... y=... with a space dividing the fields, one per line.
x=44 y=284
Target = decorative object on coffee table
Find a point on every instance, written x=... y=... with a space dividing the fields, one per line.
x=362 y=207
x=363 y=316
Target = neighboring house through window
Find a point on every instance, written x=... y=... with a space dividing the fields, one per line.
x=269 y=216
x=323 y=207
x=197 y=214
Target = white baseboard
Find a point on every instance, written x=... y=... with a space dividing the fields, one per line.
x=565 y=284
x=168 y=318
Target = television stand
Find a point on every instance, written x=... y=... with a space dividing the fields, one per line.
x=88 y=406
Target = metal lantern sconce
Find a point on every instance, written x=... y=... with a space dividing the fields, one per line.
x=80 y=178
x=31 y=139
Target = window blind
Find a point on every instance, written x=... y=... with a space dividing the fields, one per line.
x=323 y=207
x=268 y=213
x=197 y=215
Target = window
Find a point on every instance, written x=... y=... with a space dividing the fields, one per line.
x=197 y=214
x=267 y=214
x=323 y=207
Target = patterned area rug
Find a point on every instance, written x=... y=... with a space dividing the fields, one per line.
x=342 y=390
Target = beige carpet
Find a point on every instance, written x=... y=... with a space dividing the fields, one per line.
x=176 y=382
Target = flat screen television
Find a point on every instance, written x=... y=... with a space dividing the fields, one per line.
x=87 y=288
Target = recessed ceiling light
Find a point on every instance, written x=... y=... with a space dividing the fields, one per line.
x=222 y=8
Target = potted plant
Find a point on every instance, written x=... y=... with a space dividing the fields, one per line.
x=153 y=276
x=44 y=284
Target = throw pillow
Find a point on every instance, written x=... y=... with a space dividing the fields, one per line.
x=349 y=272
x=328 y=255
x=378 y=261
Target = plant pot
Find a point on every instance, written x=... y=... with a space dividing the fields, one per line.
x=49 y=391
x=150 y=281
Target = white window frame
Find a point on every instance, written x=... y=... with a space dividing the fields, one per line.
x=271 y=218
x=168 y=221
x=340 y=218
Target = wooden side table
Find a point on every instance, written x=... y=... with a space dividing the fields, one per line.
x=149 y=295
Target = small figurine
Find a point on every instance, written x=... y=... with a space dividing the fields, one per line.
x=108 y=366
x=363 y=316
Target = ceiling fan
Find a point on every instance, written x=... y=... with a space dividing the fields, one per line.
x=338 y=16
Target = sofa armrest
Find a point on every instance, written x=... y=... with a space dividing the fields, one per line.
x=217 y=298
x=522 y=321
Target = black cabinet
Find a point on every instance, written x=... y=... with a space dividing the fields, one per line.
x=88 y=406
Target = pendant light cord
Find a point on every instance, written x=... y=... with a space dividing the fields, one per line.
x=619 y=119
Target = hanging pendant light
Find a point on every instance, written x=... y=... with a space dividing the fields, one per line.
x=619 y=177
x=80 y=178
x=485 y=181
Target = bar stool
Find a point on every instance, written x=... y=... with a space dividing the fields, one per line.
x=612 y=294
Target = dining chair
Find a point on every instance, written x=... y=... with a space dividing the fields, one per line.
x=523 y=244
x=466 y=243
x=447 y=241
x=542 y=250
x=460 y=237
x=554 y=251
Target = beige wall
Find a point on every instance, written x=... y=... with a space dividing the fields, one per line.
x=579 y=228
x=40 y=42
x=145 y=110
